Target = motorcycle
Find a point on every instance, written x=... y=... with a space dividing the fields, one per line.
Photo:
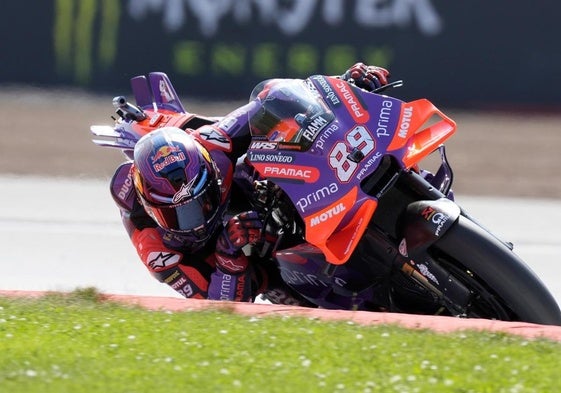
x=359 y=224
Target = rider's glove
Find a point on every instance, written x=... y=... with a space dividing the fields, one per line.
x=232 y=278
x=241 y=230
x=268 y=197
x=260 y=197
x=264 y=194
x=367 y=77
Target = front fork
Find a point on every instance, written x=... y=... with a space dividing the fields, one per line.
x=419 y=227
x=421 y=268
x=448 y=291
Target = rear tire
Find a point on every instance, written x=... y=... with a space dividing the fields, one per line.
x=504 y=286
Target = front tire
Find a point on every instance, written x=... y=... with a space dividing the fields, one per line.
x=503 y=286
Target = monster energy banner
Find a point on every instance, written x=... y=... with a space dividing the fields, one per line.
x=455 y=53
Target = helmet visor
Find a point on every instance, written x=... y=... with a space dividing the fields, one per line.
x=189 y=216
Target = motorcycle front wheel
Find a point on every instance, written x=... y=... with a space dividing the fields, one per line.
x=502 y=285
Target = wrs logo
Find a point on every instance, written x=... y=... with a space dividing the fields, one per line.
x=263 y=145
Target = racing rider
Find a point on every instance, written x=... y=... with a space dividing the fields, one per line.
x=179 y=190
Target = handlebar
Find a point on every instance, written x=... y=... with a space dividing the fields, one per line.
x=128 y=111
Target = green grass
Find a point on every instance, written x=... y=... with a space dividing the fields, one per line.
x=77 y=344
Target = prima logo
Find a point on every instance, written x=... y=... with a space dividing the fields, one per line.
x=384 y=118
x=317 y=196
x=296 y=277
x=320 y=143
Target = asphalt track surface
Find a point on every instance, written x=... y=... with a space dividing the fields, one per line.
x=71 y=237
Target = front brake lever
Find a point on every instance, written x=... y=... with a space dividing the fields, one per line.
x=391 y=84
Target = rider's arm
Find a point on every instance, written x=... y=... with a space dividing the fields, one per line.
x=232 y=278
x=231 y=134
x=165 y=264
x=185 y=273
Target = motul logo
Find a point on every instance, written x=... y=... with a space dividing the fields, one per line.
x=334 y=211
x=405 y=122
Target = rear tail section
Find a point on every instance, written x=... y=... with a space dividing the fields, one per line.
x=142 y=92
x=157 y=104
x=164 y=94
x=156 y=92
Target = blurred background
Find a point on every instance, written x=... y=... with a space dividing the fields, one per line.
x=482 y=53
x=494 y=67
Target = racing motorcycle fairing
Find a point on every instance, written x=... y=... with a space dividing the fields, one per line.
x=157 y=106
x=339 y=135
x=156 y=92
x=420 y=142
x=349 y=286
x=337 y=239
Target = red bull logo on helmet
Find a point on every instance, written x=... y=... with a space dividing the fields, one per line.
x=165 y=156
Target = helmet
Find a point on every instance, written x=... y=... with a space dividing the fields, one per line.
x=178 y=183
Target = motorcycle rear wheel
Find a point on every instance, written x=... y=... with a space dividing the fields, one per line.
x=502 y=285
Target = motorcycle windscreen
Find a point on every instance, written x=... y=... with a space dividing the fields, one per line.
x=289 y=112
